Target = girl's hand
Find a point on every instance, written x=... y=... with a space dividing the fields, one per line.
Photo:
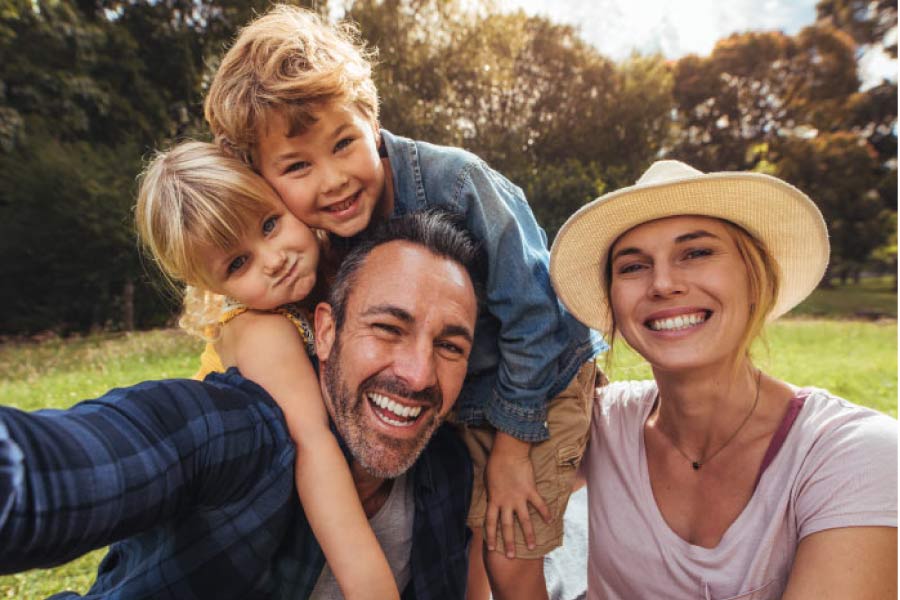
x=509 y=481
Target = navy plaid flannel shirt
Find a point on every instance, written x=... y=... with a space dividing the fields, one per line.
x=195 y=480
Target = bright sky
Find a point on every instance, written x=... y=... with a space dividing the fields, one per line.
x=679 y=27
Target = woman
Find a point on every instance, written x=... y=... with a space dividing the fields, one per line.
x=715 y=480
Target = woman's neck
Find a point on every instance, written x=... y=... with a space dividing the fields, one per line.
x=700 y=408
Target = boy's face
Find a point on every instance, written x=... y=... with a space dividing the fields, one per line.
x=329 y=176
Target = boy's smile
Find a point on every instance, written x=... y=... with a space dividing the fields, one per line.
x=330 y=176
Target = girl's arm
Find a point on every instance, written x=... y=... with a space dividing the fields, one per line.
x=848 y=563
x=268 y=349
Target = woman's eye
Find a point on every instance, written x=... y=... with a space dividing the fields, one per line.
x=630 y=268
x=697 y=253
x=268 y=225
x=236 y=264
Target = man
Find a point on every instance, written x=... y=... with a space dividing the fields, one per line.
x=194 y=479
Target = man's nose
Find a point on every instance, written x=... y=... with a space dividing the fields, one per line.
x=414 y=364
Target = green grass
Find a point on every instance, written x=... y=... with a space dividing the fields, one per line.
x=873 y=297
x=854 y=359
x=58 y=373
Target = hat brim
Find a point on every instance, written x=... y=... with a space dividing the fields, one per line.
x=782 y=217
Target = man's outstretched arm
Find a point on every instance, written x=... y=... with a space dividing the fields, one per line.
x=78 y=479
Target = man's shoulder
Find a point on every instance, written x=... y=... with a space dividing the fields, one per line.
x=446 y=453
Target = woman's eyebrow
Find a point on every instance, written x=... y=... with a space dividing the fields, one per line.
x=694 y=235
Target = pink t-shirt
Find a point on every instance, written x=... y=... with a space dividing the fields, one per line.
x=836 y=468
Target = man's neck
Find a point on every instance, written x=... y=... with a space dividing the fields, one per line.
x=373 y=491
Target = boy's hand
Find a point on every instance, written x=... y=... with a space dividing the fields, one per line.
x=509 y=480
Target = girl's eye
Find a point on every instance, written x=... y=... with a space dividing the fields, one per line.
x=236 y=264
x=268 y=225
x=300 y=165
x=343 y=143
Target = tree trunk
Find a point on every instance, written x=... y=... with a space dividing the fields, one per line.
x=128 y=305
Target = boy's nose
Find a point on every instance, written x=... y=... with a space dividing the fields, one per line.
x=335 y=179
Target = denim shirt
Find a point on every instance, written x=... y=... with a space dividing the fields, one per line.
x=527 y=346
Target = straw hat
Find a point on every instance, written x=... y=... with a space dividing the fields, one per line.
x=776 y=213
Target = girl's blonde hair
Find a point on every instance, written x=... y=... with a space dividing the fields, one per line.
x=194 y=197
x=764 y=280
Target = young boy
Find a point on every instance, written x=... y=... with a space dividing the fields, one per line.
x=294 y=97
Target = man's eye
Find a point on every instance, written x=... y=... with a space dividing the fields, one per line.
x=269 y=224
x=235 y=265
x=451 y=348
x=387 y=328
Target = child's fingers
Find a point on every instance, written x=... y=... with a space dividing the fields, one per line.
x=527 y=527
x=490 y=527
x=539 y=505
x=507 y=522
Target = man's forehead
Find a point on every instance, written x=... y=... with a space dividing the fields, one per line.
x=398 y=270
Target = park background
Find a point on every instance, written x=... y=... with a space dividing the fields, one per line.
x=89 y=88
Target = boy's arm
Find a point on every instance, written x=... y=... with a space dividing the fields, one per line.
x=268 y=349
x=78 y=479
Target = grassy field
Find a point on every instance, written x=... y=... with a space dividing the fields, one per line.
x=853 y=358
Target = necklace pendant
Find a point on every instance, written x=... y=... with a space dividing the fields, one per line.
x=696 y=465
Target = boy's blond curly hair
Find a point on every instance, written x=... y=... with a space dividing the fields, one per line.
x=292 y=61
x=193 y=197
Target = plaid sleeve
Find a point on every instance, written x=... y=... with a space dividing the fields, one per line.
x=77 y=479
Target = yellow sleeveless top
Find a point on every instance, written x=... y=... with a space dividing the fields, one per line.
x=210 y=362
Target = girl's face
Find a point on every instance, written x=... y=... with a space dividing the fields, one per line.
x=273 y=264
x=680 y=293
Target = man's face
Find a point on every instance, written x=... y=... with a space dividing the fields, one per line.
x=395 y=368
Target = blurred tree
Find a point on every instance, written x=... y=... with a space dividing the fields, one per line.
x=839 y=172
x=869 y=22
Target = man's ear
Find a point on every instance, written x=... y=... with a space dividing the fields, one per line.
x=324 y=331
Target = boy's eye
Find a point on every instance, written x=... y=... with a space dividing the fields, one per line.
x=236 y=264
x=343 y=143
x=268 y=225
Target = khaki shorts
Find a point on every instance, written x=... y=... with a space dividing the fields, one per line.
x=555 y=461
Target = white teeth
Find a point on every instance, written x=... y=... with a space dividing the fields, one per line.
x=342 y=205
x=385 y=403
x=679 y=322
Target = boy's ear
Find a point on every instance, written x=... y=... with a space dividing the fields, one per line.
x=325 y=331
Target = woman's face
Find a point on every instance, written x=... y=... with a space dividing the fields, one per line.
x=680 y=292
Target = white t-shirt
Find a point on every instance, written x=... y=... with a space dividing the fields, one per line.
x=836 y=468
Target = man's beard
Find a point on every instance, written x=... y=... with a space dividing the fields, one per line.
x=379 y=454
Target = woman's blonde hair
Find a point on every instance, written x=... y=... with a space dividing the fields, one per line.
x=291 y=61
x=193 y=197
x=763 y=278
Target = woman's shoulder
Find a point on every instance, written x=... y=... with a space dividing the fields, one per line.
x=828 y=415
x=626 y=396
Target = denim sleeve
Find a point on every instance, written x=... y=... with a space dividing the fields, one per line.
x=532 y=333
x=78 y=479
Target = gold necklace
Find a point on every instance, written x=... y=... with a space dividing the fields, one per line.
x=696 y=464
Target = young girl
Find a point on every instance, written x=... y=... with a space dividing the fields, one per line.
x=217 y=227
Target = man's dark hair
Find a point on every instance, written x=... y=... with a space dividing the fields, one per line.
x=439 y=231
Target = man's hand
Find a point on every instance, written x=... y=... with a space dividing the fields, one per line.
x=509 y=481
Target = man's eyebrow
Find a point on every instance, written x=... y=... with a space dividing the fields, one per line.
x=458 y=330
x=389 y=309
